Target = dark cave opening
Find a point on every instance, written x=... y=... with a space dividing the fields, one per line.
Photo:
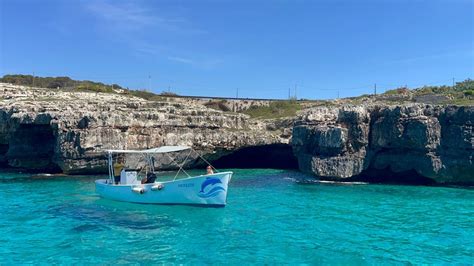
x=387 y=176
x=278 y=156
x=3 y=155
x=32 y=147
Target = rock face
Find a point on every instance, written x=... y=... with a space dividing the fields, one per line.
x=413 y=143
x=48 y=130
x=61 y=131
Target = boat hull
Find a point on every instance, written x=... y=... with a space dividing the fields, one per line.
x=208 y=190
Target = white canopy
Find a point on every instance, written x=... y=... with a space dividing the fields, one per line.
x=163 y=149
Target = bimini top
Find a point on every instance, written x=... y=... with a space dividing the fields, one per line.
x=163 y=149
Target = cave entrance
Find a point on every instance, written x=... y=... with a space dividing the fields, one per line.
x=32 y=147
x=3 y=155
x=387 y=176
x=278 y=156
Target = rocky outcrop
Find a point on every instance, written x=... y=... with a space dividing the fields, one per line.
x=65 y=131
x=412 y=143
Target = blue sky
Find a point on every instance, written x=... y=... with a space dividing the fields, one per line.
x=263 y=48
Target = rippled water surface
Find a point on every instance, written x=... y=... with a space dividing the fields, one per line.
x=269 y=218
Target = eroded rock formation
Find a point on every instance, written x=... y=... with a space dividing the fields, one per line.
x=64 y=131
x=412 y=143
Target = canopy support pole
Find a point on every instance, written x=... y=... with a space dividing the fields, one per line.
x=181 y=166
x=111 y=167
x=150 y=160
x=205 y=161
x=172 y=160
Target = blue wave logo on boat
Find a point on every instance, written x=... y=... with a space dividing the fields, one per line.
x=211 y=187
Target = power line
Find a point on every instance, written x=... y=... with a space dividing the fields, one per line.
x=145 y=81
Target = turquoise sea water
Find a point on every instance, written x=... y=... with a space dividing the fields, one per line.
x=269 y=219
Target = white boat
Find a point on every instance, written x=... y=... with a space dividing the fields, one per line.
x=209 y=190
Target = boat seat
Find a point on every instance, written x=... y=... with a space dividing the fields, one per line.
x=128 y=177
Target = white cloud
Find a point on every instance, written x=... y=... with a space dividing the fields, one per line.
x=181 y=60
x=200 y=63
x=145 y=30
x=126 y=16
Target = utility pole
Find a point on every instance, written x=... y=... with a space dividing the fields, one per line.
x=296 y=97
x=375 y=89
x=338 y=94
x=33 y=79
x=149 y=82
x=453 y=83
x=237 y=94
x=289 y=93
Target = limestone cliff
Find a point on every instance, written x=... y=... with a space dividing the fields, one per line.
x=68 y=131
x=411 y=143
x=49 y=130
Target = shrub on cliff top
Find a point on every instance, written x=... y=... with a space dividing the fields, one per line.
x=58 y=82
x=468 y=84
x=46 y=82
x=95 y=88
x=433 y=90
x=275 y=109
x=469 y=93
x=397 y=91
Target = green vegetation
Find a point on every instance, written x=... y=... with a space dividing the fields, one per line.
x=70 y=84
x=79 y=85
x=459 y=87
x=89 y=86
x=462 y=93
x=433 y=90
x=168 y=94
x=461 y=102
x=274 y=110
x=468 y=84
x=47 y=82
x=397 y=91
x=469 y=93
x=58 y=82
